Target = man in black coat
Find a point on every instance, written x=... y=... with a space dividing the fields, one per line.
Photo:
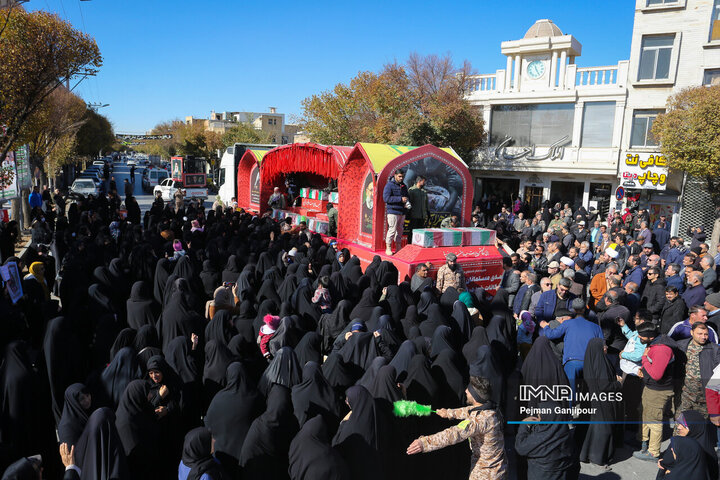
x=673 y=311
x=653 y=297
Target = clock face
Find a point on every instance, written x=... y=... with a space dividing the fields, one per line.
x=536 y=69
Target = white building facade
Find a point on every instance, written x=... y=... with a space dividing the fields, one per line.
x=675 y=45
x=554 y=130
x=561 y=133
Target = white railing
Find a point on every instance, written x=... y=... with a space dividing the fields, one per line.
x=588 y=76
x=482 y=83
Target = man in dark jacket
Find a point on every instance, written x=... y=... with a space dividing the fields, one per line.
x=695 y=292
x=524 y=295
x=700 y=361
x=554 y=300
x=653 y=297
x=395 y=196
x=634 y=273
x=673 y=310
x=672 y=277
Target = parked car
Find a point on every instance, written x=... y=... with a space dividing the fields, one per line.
x=99 y=163
x=84 y=186
x=131 y=162
x=153 y=177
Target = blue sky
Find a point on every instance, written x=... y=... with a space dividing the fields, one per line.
x=165 y=60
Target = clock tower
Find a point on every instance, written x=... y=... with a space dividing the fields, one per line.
x=538 y=61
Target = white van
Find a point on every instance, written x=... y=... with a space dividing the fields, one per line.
x=153 y=177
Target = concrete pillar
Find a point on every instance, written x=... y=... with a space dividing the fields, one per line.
x=553 y=69
x=563 y=62
x=508 y=74
x=516 y=80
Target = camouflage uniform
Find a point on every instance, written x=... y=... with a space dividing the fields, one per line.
x=484 y=429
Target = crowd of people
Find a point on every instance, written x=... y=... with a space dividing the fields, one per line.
x=210 y=345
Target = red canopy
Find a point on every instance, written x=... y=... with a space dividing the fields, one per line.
x=324 y=160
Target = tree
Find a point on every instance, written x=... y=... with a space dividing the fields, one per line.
x=689 y=134
x=243 y=132
x=38 y=53
x=95 y=135
x=51 y=130
x=420 y=102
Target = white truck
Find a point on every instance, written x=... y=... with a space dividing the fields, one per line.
x=168 y=187
x=227 y=174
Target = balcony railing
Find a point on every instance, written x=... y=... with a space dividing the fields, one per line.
x=483 y=83
x=574 y=78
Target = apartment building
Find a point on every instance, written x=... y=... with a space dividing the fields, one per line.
x=271 y=122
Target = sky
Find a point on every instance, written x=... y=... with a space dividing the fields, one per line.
x=164 y=60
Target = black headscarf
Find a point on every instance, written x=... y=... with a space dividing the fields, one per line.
x=231 y=271
x=135 y=418
x=426 y=299
x=63 y=360
x=401 y=360
x=450 y=372
x=488 y=364
x=410 y=320
x=394 y=303
x=217 y=359
x=362 y=439
x=211 y=278
x=385 y=387
x=311 y=456
x=331 y=324
x=141 y=309
x=162 y=272
x=420 y=385
x=284 y=369
x=368 y=301
x=309 y=348
x=442 y=339
x=178 y=318
x=359 y=352
x=221 y=327
x=314 y=396
x=690 y=460
x=115 y=378
x=433 y=319
x=197 y=455
x=463 y=322
x=548 y=444
x=125 y=338
x=301 y=302
x=178 y=356
x=368 y=377
x=265 y=450
x=479 y=338
x=74 y=417
x=233 y=410
x=288 y=334
x=99 y=452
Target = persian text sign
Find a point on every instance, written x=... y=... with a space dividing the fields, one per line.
x=644 y=171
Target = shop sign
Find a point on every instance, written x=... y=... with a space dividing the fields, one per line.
x=647 y=171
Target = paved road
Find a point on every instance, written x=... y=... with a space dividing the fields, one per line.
x=120 y=172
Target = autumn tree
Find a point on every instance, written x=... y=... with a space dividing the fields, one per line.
x=51 y=130
x=38 y=53
x=689 y=134
x=422 y=101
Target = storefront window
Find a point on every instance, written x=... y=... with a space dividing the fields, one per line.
x=600 y=194
x=538 y=124
x=567 y=192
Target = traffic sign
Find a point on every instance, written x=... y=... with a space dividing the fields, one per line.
x=619 y=193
